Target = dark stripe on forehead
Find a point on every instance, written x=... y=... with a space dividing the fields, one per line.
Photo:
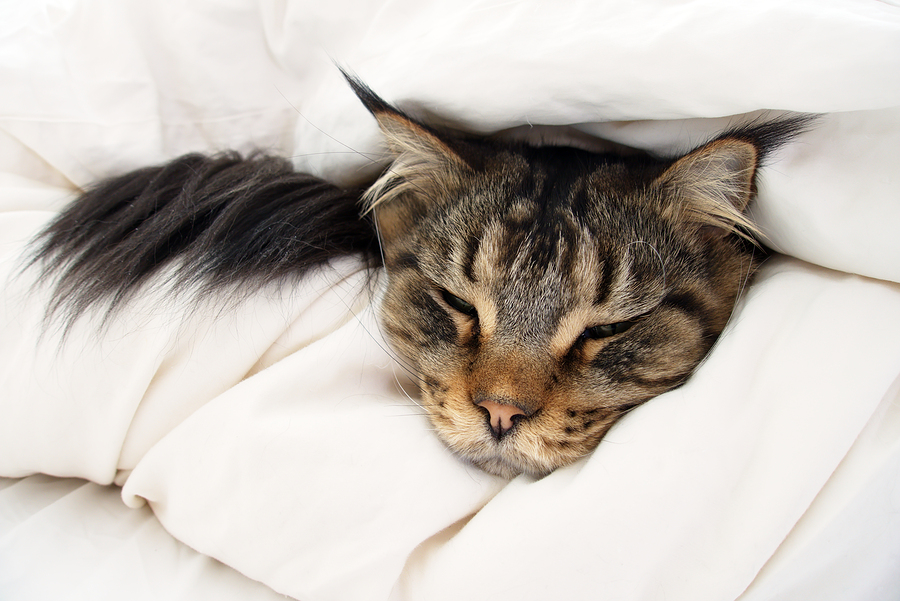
x=536 y=216
x=547 y=237
x=514 y=238
x=472 y=247
x=525 y=186
x=605 y=279
x=573 y=239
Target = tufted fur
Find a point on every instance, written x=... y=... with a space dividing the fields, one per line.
x=538 y=293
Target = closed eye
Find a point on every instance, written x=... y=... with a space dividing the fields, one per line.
x=458 y=304
x=606 y=330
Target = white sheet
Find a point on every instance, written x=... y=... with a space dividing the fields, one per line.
x=274 y=435
x=71 y=539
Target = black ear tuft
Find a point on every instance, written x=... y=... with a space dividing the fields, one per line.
x=712 y=185
x=374 y=103
x=426 y=162
x=769 y=136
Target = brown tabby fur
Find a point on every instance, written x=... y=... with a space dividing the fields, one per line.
x=544 y=244
x=538 y=293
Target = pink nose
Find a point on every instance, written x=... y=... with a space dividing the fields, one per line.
x=502 y=417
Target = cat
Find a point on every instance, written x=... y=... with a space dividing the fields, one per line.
x=537 y=293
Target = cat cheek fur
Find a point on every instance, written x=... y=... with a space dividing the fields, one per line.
x=512 y=231
x=571 y=403
x=541 y=251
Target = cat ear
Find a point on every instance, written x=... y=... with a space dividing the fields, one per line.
x=403 y=133
x=712 y=186
x=426 y=165
x=421 y=154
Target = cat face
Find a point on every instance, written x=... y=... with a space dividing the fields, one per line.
x=542 y=296
x=540 y=293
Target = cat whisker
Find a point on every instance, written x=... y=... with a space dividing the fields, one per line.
x=410 y=371
x=387 y=350
x=322 y=131
x=390 y=352
x=350 y=149
x=406 y=415
x=407 y=395
x=329 y=152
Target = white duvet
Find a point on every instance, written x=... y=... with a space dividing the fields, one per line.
x=276 y=435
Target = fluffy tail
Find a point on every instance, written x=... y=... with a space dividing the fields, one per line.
x=225 y=220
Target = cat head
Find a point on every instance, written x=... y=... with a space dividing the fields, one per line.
x=539 y=293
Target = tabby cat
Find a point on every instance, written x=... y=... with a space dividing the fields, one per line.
x=537 y=293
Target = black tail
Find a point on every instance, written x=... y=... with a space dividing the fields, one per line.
x=225 y=220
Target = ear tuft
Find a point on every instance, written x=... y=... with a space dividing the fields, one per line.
x=712 y=186
x=424 y=159
x=372 y=101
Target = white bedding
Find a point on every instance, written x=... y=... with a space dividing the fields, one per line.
x=275 y=435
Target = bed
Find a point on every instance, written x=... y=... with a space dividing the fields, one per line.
x=266 y=449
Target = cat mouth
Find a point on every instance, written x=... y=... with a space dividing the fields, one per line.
x=506 y=460
x=511 y=454
x=503 y=439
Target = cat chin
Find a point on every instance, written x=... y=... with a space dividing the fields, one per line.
x=498 y=466
x=506 y=460
x=530 y=449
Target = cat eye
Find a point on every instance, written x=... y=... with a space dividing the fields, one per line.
x=464 y=307
x=606 y=330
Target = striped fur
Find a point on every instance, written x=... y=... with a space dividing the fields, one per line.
x=541 y=293
x=538 y=293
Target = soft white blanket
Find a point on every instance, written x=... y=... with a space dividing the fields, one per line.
x=276 y=435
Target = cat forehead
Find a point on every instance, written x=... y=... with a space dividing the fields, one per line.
x=543 y=270
x=540 y=210
x=531 y=168
x=549 y=226
x=545 y=184
x=549 y=206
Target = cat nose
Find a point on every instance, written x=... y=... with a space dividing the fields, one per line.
x=502 y=417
